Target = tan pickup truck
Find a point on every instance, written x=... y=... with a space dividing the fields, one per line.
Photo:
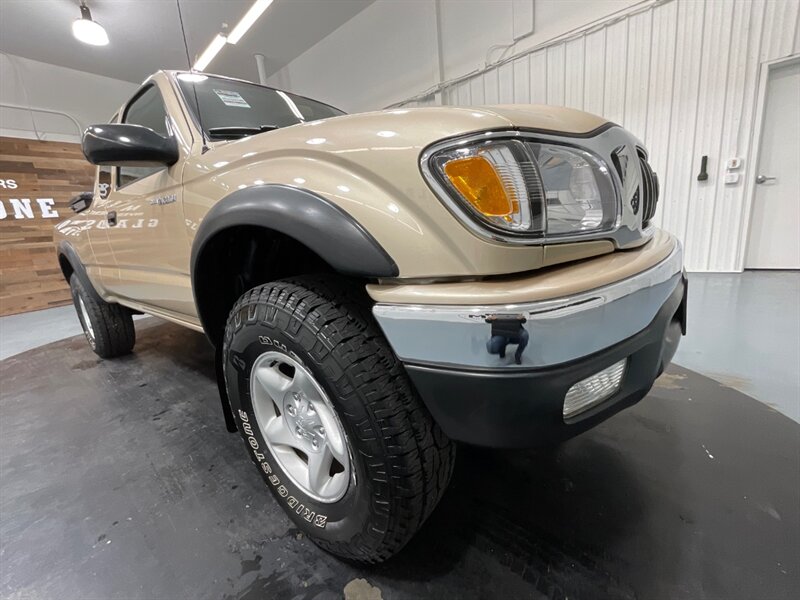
x=380 y=285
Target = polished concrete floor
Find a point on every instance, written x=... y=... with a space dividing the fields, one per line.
x=118 y=480
x=744 y=331
x=25 y=331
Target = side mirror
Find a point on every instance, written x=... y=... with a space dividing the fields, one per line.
x=128 y=145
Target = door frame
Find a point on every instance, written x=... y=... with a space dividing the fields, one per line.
x=754 y=155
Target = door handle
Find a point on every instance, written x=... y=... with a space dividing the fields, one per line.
x=111 y=217
x=764 y=179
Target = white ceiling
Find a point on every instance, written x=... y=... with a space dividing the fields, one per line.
x=145 y=35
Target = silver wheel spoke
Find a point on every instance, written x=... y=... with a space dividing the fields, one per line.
x=319 y=467
x=273 y=381
x=303 y=384
x=334 y=437
x=339 y=453
x=278 y=433
x=86 y=320
x=300 y=426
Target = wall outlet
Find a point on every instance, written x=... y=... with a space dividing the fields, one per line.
x=733 y=163
x=731 y=178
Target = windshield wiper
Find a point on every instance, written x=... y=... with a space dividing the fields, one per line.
x=238 y=132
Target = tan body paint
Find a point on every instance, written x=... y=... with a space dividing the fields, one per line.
x=367 y=164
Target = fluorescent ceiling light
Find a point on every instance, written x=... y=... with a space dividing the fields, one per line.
x=250 y=17
x=209 y=53
x=88 y=31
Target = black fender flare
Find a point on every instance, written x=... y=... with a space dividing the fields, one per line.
x=66 y=250
x=304 y=216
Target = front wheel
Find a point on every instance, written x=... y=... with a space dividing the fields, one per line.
x=330 y=418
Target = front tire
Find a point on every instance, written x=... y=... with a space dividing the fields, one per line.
x=108 y=327
x=330 y=418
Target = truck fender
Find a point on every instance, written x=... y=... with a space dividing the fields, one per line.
x=68 y=253
x=305 y=216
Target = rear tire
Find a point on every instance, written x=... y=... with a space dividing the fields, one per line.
x=108 y=327
x=317 y=334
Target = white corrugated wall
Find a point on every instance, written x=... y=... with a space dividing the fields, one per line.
x=683 y=76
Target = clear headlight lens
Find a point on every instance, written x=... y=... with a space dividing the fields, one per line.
x=529 y=188
x=579 y=192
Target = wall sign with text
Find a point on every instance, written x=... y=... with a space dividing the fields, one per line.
x=37 y=181
x=25 y=208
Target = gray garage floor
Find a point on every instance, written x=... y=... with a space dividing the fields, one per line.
x=744 y=331
x=118 y=480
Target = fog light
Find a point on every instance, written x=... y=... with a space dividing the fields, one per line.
x=594 y=389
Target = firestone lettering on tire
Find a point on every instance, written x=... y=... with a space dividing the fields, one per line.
x=299 y=508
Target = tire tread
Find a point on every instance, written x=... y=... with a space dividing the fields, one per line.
x=414 y=459
x=114 y=332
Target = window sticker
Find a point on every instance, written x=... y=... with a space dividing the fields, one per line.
x=230 y=98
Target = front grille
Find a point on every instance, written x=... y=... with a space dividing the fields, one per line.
x=649 y=188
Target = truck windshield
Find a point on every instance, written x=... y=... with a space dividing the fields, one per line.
x=230 y=109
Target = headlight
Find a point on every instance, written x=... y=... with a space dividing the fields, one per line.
x=526 y=189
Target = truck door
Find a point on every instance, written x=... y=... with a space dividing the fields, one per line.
x=146 y=226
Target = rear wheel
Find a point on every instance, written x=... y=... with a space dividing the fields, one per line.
x=108 y=327
x=330 y=418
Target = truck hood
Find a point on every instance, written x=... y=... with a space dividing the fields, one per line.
x=417 y=127
x=556 y=119
x=368 y=165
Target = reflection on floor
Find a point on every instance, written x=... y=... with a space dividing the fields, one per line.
x=31 y=330
x=22 y=332
x=744 y=331
x=120 y=481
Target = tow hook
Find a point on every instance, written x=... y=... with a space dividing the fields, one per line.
x=507 y=329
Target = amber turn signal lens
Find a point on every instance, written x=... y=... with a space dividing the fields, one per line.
x=478 y=182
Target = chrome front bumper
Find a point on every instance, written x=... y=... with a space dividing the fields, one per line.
x=558 y=331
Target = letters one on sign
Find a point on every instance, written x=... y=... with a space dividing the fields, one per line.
x=24 y=208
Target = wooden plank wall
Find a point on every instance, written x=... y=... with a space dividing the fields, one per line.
x=30 y=278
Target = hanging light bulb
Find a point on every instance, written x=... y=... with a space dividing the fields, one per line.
x=88 y=31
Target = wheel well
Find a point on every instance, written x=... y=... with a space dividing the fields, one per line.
x=66 y=266
x=238 y=259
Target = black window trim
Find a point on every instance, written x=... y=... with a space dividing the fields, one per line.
x=112 y=185
x=140 y=92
